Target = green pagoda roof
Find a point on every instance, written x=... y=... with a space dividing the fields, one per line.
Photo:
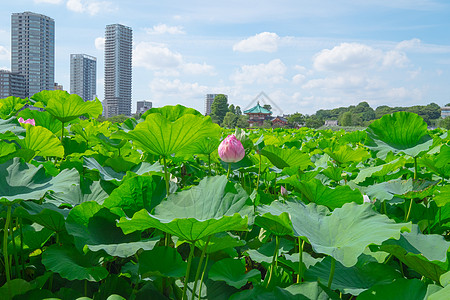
x=258 y=109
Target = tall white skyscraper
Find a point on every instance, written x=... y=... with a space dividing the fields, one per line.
x=33 y=50
x=83 y=76
x=118 y=55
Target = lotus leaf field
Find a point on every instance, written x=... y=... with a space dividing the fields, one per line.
x=145 y=209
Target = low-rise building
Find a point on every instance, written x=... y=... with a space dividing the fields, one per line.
x=143 y=106
x=257 y=115
x=12 y=84
x=445 y=112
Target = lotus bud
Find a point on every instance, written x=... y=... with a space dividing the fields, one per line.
x=231 y=149
x=27 y=121
x=283 y=191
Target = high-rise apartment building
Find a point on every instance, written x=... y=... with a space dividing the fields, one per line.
x=33 y=50
x=83 y=76
x=12 y=84
x=118 y=54
x=209 y=101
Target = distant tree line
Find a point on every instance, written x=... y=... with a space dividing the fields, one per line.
x=225 y=115
x=362 y=114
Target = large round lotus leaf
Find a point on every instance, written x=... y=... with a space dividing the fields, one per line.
x=162 y=261
x=401 y=289
x=161 y=136
x=172 y=113
x=283 y=158
x=353 y=280
x=72 y=265
x=10 y=128
x=424 y=253
x=47 y=215
x=345 y=154
x=67 y=107
x=42 y=141
x=23 y=181
x=399 y=132
x=232 y=271
x=315 y=191
x=10 y=106
x=343 y=234
x=215 y=205
x=140 y=192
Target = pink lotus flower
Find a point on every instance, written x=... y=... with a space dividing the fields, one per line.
x=27 y=121
x=283 y=191
x=231 y=149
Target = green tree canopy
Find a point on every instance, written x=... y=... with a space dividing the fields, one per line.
x=230 y=120
x=219 y=108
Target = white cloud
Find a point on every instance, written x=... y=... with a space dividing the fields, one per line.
x=348 y=82
x=271 y=73
x=299 y=78
x=48 y=1
x=162 y=88
x=265 y=41
x=395 y=58
x=100 y=43
x=347 y=56
x=90 y=7
x=4 y=53
x=155 y=57
x=198 y=69
x=408 y=44
x=163 y=28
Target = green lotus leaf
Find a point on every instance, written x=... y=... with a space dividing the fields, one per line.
x=333 y=172
x=305 y=290
x=400 y=289
x=42 y=118
x=10 y=106
x=67 y=107
x=9 y=128
x=353 y=137
x=214 y=206
x=426 y=254
x=126 y=249
x=15 y=288
x=264 y=254
x=96 y=191
x=276 y=224
x=232 y=271
x=42 y=141
x=442 y=198
x=47 y=215
x=6 y=148
x=380 y=170
x=400 y=132
x=161 y=136
x=134 y=194
x=108 y=174
x=205 y=146
x=115 y=143
x=73 y=265
x=171 y=113
x=162 y=261
x=353 y=280
x=283 y=158
x=23 y=181
x=220 y=241
x=440 y=163
x=315 y=191
x=342 y=234
x=34 y=237
x=346 y=154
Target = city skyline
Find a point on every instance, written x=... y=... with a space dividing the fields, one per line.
x=304 y=56
x=83 y=76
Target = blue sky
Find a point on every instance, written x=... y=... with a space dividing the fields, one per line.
x=305 y=55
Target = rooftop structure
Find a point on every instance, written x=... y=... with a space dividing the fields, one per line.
x=257 y=115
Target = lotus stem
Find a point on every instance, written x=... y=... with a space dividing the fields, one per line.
x=186 y=278
x=197 y=274
x=166 y=176
x=333 y=266
x=415 y=168
x=259 y=172
x=5 y=244
x=409 y=210
x=62 y=131
x=209 y=163
x=16 y=259
x=229 y=168
x=274 y=260
x=201 y=278
x=300 y=260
